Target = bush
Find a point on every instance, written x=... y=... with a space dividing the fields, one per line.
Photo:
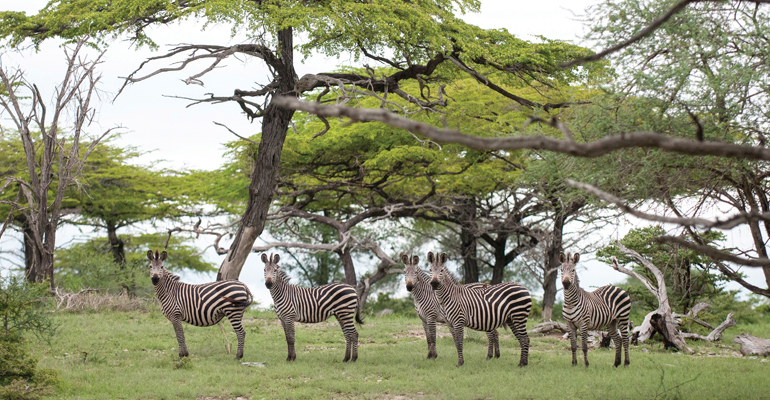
x=19 y=377
x=402 y=306
x=81 y=268
x=23 y=310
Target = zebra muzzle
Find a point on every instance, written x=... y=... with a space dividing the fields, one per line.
x=409 y=286
x=269 y=283
x=434 y=284
x=155 y=280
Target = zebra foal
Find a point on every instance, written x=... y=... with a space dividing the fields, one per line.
x=428 y=308
x=607 y=306
x=317 y=304
x=198 y=305
x=484 y=309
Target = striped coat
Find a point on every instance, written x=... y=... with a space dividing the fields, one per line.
x=504 y=304
x=311 y=305
x=198 y=305
x=607 y=306
x=428 y=308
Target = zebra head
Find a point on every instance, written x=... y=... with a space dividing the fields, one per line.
x=271 y=268
x=156 y=265
x=410 y=270
x=436 y=269
x=568 y=274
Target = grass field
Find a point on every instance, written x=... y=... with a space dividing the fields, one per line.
x=133 y=355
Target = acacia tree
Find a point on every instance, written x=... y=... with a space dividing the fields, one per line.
x=421 y=41
x=53 y=154
x=700 y=60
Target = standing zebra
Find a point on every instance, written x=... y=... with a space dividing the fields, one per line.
x=607 y=306
x=481 y=309
x=199 y=305
x=429 y=309
x=317 y=304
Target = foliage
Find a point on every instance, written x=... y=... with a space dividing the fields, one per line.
x=400 y=306
x=20 y=379
x=23 y=308
x=86 y=265
x=686 y=285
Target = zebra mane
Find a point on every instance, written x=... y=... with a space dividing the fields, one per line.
x=452 y=277
x=284 y=276
x=171 y=277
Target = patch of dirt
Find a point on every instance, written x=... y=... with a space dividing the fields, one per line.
x=201 y=397
x=393 y=396
x=419 y=334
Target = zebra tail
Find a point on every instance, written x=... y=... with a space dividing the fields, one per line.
x=358 y=317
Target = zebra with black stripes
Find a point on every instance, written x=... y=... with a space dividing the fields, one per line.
x=198 y=305
x=607 y=306
x=428 y=308
x=293 y=303
x=481 y=309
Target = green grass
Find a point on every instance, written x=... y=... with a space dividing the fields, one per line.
x=133 y=355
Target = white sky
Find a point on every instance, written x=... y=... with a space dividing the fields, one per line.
x=187 y=138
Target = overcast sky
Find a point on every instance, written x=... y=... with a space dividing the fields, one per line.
x=187 y=137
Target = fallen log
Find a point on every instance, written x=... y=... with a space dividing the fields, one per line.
x=753 y=345
x=548 y=326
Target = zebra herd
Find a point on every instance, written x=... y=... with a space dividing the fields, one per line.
x=437 y=298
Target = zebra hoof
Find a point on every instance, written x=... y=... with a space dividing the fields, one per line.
x=489 y=358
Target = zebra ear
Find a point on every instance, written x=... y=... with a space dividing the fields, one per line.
x=431 y=258
x=163 y=255
x=415 y=260
x=442 y=258
x=264 y=258
x=404 y=258
x=276 y=258
x=576 y=257
x=562 y=257
x=150 y=255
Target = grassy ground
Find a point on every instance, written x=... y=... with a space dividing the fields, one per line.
x=133 y=355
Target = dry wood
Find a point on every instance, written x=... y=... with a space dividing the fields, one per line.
x=716 y=334
x=548 y=326
x=753 y=345
x=224 y=335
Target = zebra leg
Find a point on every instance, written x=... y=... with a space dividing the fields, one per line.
x=624 y=339
x=288 y=330
x=430 y=335
x=235 y=318
x=573 y=341
x=457 y=335
x=179 y=337
x=612 y=329
x=584 y=341
x=351 y=336
x=494 y=345
x=519 y=329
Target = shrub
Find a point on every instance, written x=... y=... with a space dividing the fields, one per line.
x=402 y=306
x=19 y=377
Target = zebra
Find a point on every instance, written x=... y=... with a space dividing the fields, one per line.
x=483 y=309
x=198 y=305
x=293 y=303
x=607 y=306
x=429 y=310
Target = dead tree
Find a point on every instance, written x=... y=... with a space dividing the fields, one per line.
x=54 y=149
x=660 y=320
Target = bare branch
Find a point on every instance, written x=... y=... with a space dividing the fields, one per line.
x=593 y=149
x=655 y=24
x=715 y=253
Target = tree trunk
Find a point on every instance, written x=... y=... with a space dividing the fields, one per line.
x=348 y=267
x=500 y=259
x=275 y=123
x=550 y=269
x=468 y=241
x=116 y=245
